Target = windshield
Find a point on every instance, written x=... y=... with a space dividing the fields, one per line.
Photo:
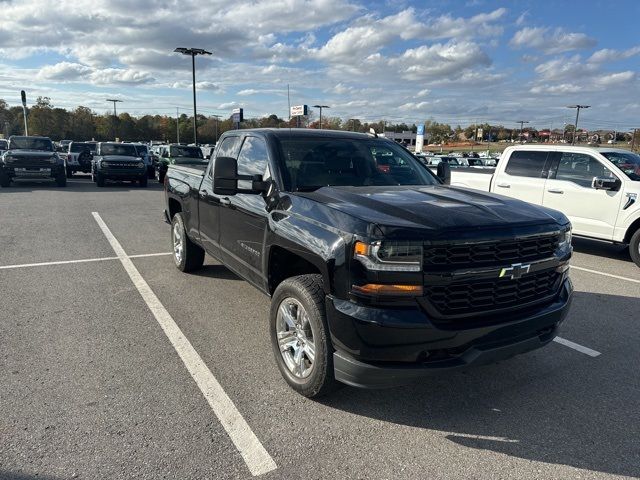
x=118 y=149
x=628 y=162
x=311 y=163
x=191 y=152
x=30 y=143
x=3 y=144
x=80 y=147
x=141 y=149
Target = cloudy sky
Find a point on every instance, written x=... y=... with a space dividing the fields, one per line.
x=403 y=60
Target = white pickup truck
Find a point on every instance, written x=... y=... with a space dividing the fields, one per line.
x=597 y=188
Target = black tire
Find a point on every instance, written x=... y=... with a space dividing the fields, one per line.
x=142 y=183
x=308 y=291
x=5 y=180
x=100 y=180
x=61 y=180
x=634 y=247
x=160 y=177
x=192 y=256
x=69 y=172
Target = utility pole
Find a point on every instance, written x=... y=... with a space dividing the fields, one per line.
x=522 y=122
x=193 y=52
x=575 y=130
x=114 y=105
x=321 y=107
x=633 y=139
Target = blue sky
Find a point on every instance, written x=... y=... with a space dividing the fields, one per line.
x=458 y=62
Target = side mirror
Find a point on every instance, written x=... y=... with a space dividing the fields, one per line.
x=605 y=183
x=225 y=176
x=444 y=172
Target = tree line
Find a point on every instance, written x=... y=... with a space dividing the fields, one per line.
x=82 y=123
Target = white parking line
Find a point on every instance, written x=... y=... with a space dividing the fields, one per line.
x=605 y=274
x=84 y=260
x=253 y=452
x=575 y=346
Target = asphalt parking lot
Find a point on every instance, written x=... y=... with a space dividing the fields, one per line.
x=96 y=384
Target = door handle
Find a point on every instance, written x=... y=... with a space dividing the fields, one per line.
x=204 y=193
x=225 y=201
x=504 y=185
x=555 y=190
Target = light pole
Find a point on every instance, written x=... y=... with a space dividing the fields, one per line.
x=521 y=122
x=321 y=107
x=114 y=100
x=177 y=125
x=633 y=139
x=193 y=52
x=575 y=128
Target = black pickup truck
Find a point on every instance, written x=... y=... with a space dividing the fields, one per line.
x=379 y=272
x=31 y=158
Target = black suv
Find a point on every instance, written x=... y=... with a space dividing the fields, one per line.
x=118 y=161
x=31 y=158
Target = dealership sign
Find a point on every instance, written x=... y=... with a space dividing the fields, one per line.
x=237 y=115
x=299 y=110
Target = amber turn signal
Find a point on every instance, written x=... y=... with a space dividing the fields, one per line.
x=361 y=248
x=379 y=289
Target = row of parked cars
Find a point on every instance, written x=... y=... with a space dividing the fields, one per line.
x=24 y=157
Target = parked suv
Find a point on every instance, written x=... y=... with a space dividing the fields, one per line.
x=118 y=161
x=78 y=157
x=31 y=158
x=178 y=155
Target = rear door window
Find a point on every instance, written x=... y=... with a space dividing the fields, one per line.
x=524 y=163
x=580 y=169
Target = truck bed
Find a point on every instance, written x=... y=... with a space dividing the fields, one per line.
x=469 y=177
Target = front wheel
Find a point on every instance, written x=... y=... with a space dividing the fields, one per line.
x=187 y=255
x=634 y=247
x=69 y=172
x=300 y=336
x=61 y=180
x=5 y=180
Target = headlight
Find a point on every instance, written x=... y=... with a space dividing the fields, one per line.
x=9 y=158
x=390 y=256
x=565 y=239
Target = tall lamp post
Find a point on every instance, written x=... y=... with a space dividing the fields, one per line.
x=575 y=128
x=193 y=52
x=321 y=107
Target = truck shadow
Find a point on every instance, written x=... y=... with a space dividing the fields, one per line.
x=217 y=271
x=554 y=405
x=601 y=249
x=6 y=475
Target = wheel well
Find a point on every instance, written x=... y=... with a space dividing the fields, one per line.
x=631 y=230
x=284 y=264
x=174 y=207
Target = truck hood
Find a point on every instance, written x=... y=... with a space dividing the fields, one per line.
x=434 y=208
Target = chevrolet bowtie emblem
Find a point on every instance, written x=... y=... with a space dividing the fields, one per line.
x=515 y=271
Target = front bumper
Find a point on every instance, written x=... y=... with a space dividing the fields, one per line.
x=123 y=174
x=27 y=172
x=379 y=348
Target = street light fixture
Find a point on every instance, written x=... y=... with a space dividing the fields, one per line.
x=193 y=52
x=522 y=122
x=114 y=100
x=575 y=128
x=321 y=107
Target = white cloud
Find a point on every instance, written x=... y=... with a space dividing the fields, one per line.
x=607 y=55
x=550 y=41
x=64 y=71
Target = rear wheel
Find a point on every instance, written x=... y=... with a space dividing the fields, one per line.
x=5 y=180
x=300 y=336
x=187 y=255
x=61 y=180
x=634 y=247
x=160 y=176
x=69 y=172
